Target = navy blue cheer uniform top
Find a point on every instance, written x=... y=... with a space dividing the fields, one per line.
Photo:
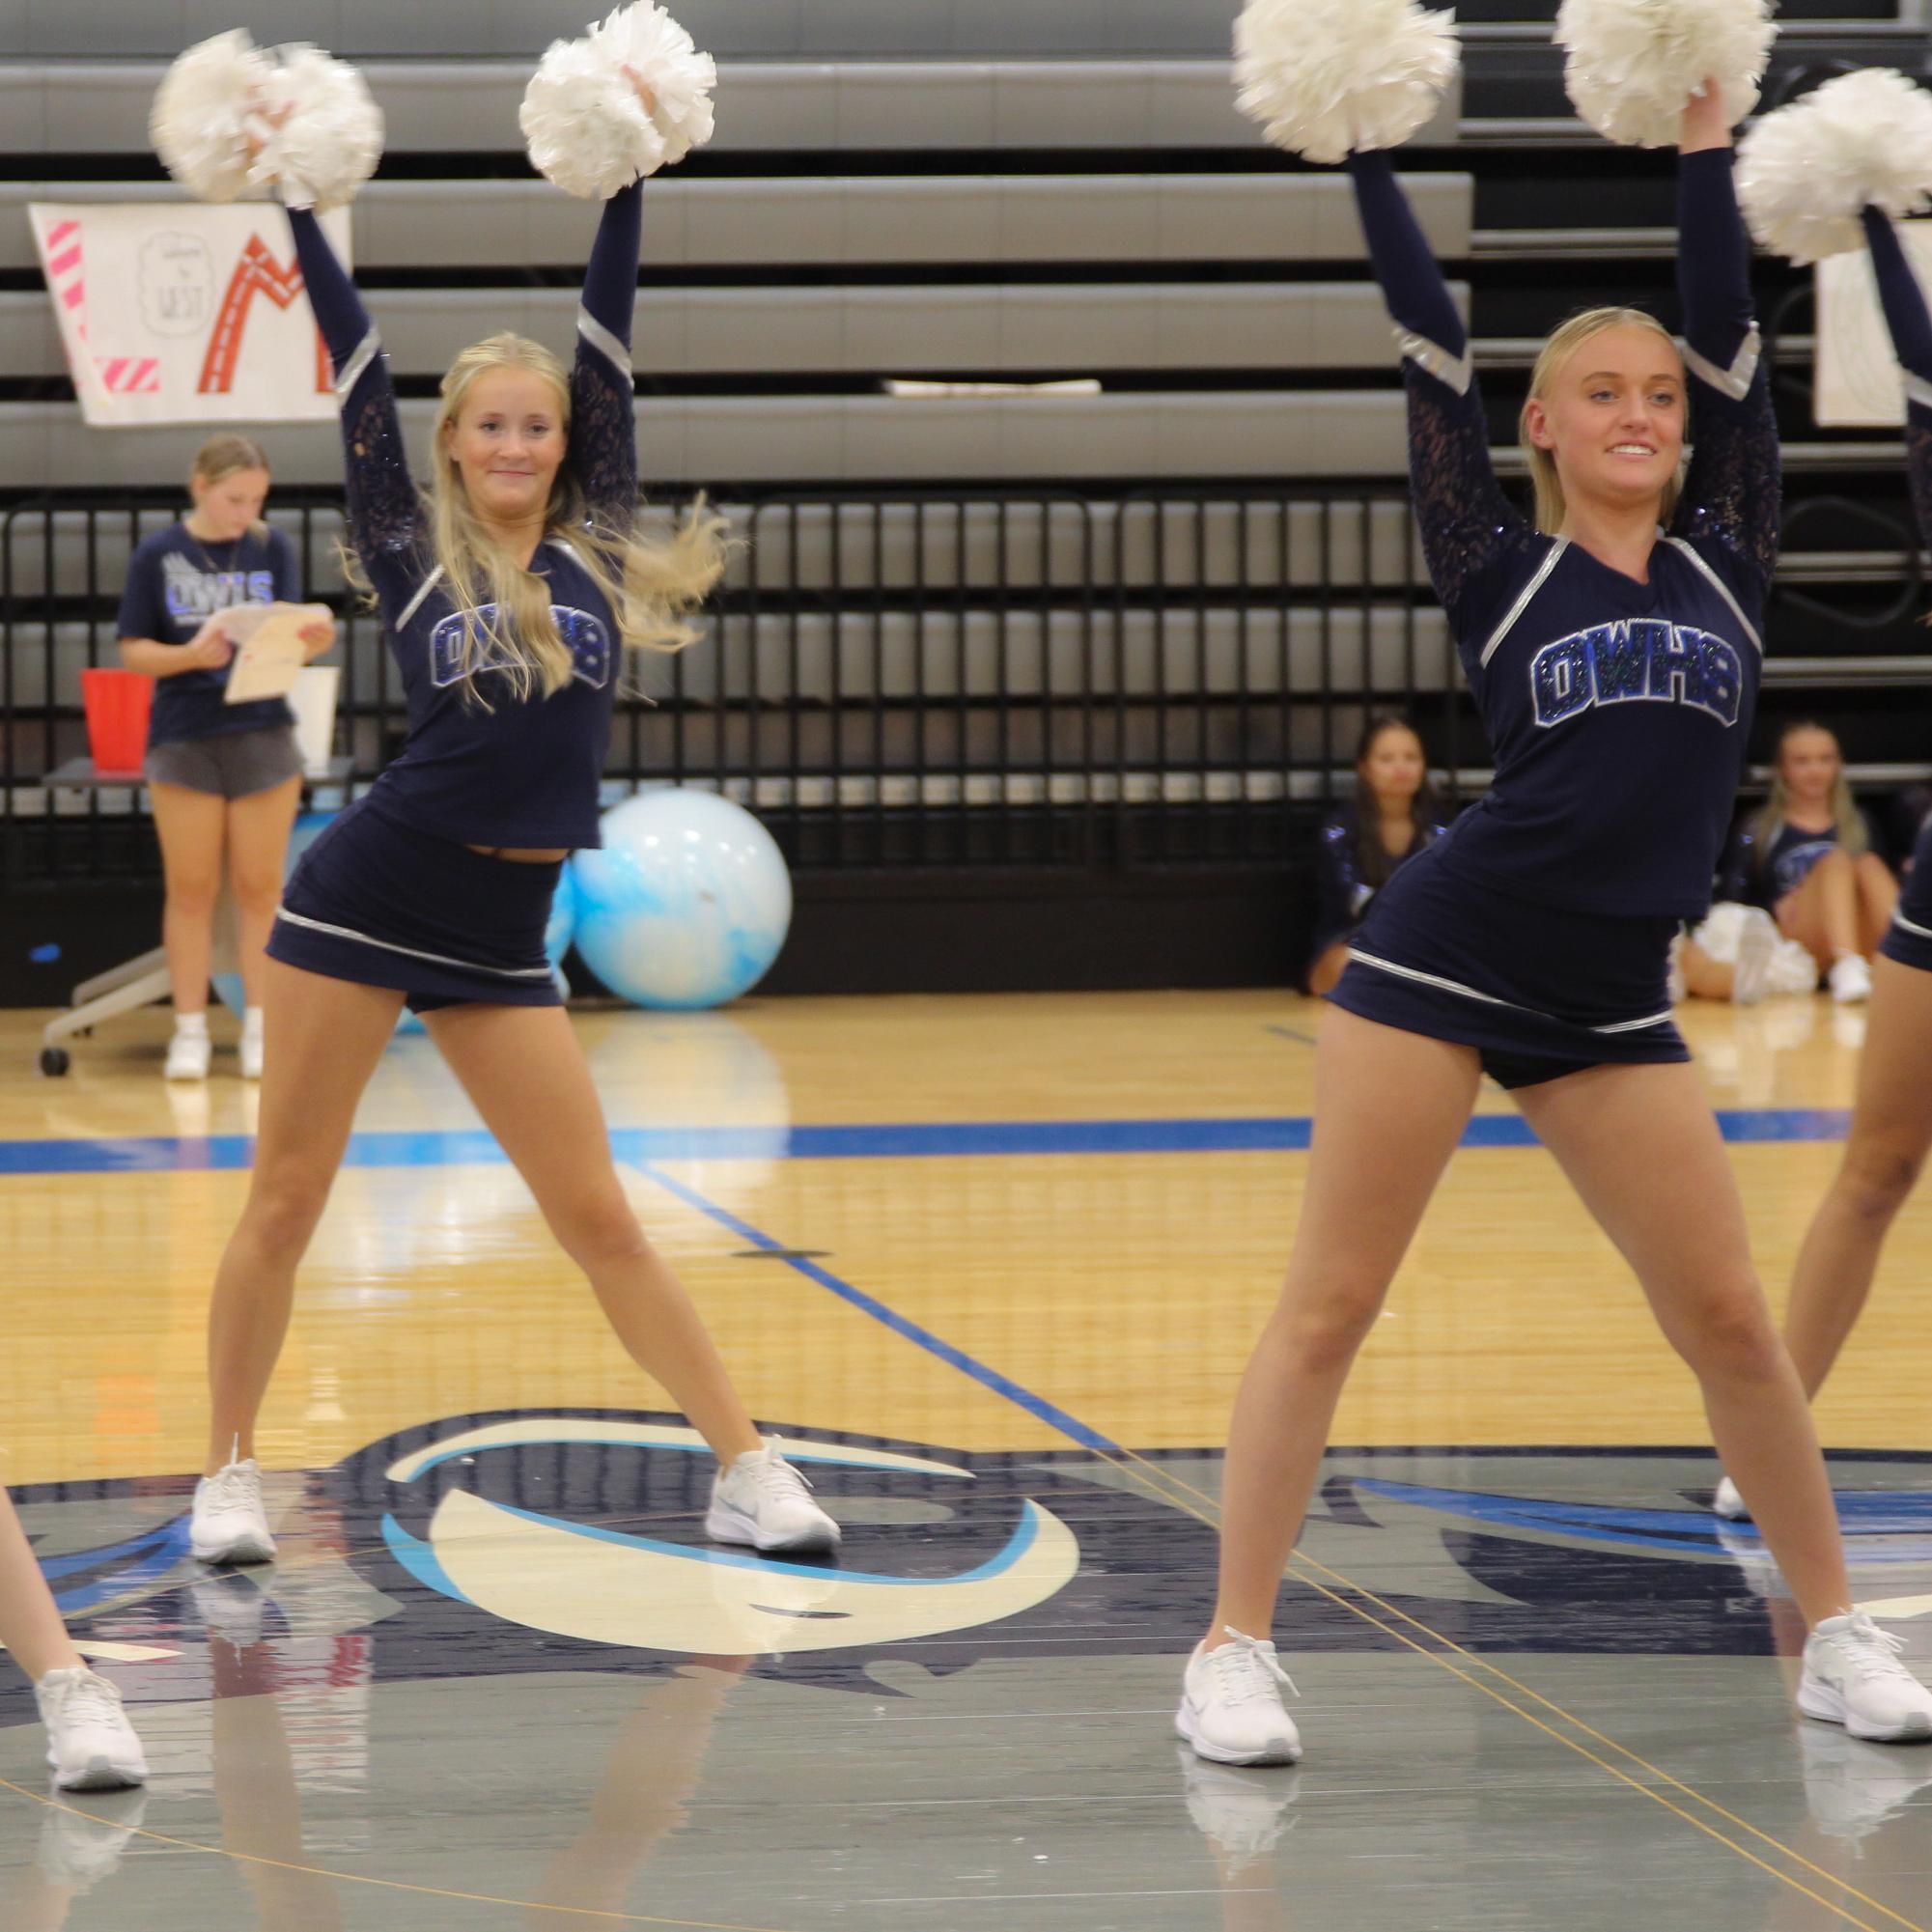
x=1762 y=872
x=1909 y=938
x=391 y=894
x=1342 y=891
x=1537 y=927
x=174 y=584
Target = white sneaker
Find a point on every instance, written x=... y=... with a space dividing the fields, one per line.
x=1757 y=948
x=1852 y=1677
x=188 y=1056
x=1726 y=1501
x=1850 y=979
x=1231 y=1709
x=229 y=1525
x=90 y=1745
x=762 y=1500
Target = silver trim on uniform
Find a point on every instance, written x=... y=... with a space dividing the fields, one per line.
x=1723 y=589
x=1917 y=390
x=1736 y=380
x=413 y=952
x=415 y=604
x=360 y=357
x=1916 y=931
x=603 y=339
x=1452 y=371
x=1557 y=545
x=1491 y=999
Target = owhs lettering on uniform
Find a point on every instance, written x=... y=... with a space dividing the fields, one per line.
x=1639 y=660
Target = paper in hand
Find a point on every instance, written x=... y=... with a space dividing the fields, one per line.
x=269 y=647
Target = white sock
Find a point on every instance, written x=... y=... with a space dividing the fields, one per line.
x=251 y=1022
x=192 y=1026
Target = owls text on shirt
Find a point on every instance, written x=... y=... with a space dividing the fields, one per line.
x=193 y=595
x=584 y=634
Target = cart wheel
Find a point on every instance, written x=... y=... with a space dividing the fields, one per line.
x=54 y=1061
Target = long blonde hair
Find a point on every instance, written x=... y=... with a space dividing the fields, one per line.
x=1846 y=817
x=650 y=586
x=221 y=456
x=1551 y=507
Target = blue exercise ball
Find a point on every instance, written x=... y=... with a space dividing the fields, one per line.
x=687 y=903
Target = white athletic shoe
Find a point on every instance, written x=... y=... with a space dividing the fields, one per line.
x=188 y=1056
x=1726 y=1501
x=229 y=1525
x=1852 y=1677
x=761 y=1500
x=1231 y=1709
x=1850 y=979
x=1757 y=948
x=90 y=1745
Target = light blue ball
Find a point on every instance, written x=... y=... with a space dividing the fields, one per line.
x=687 y=903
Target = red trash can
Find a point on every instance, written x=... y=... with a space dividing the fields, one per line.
x=117 y=705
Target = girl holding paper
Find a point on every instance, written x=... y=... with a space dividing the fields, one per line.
x=219 y=774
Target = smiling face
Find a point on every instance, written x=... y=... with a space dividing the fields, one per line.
x=1610 y=415
x=225 y=508
x=1392 y=766
x=506 y=442
x=1807 y=761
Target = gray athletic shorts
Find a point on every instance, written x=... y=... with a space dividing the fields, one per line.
x=232 y=765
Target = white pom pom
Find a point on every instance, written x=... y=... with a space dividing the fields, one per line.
x=327 y=132
x=1328 y=77
x=1633 y=64
x=200 y=121
x=1806 y=172
x=588 y=130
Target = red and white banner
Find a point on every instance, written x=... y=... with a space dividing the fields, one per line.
x=184 y=312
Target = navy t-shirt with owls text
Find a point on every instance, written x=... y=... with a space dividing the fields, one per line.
x=174 y=584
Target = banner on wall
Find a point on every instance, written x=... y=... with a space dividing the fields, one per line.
x=1858 y=382
x=184 y=312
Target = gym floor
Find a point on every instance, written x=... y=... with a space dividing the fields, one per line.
x=992 y=1266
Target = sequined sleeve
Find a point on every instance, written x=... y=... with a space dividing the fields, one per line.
x=603 y=397
x=384 y=510
x=1468 y=526
x=1733 y=490
x=1339 y=893
x=1911 y=326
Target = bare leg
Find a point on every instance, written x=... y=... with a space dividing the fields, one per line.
x=325 y=1037
x=31 y=1626
x=1891 y=1130
x=1822 y=913
x=188 y=825
x=1878 y=900
x=258 y=846
x=1705 y=978
x=524 y=1069
x=1389 y=1107
x=1675 y=1217
x=1328 y=969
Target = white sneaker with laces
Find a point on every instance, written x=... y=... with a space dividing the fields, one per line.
x=188 y=1055
x=1726 y=1501
x=1850 y=979
x=1852 y=1677
x=1757 y=948
x=229 y=1523
x=761 y=1500
x=90 y=1745
x=1231 y=1709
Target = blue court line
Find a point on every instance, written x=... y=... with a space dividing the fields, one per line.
x=1285 y=1133
x=1049 y=1413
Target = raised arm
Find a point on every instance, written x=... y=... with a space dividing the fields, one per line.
x=604 y=401
x=1466 y=521
x=1906 y=315
x=384 y=513
x=1732 y=491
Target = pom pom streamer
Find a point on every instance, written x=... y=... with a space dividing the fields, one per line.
x=228 y=118
x=1633 y=64
x=588 y=130
x=1328 y=77
x=1806 y=172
